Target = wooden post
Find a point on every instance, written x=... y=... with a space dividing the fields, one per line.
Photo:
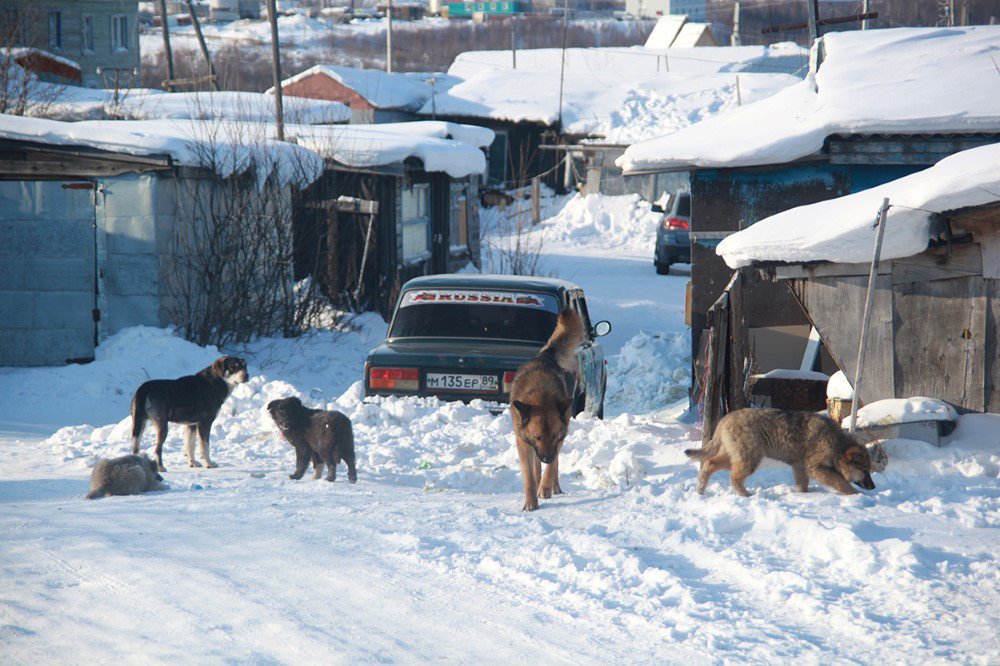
x=536 y=200
x=862 y=343
x=166 y=44
x=739 y=97
x=562 y=67
x=279 y=113
x=812 y=6
x=864 y=10
x=201 y=42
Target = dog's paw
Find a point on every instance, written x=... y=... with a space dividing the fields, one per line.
x=161 y=468
x=194 y=463
x=209 y=464
x=530 y=505
x=352 y=479
x=545 y=493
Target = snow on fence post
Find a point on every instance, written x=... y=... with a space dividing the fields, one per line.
x=863 y=342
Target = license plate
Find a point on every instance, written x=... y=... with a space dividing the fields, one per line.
x=449 y=382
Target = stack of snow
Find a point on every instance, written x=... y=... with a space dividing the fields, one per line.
x=440 y=147
x=839 y=387
x=842 y=230
x=229 y=105
x=227 y=148
x=618 y=95
x=625 y=222
x=927 y=80
x=903 y=410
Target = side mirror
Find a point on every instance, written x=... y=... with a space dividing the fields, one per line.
x=602 y=328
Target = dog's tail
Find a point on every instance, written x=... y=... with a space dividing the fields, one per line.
x=138 y=412
x=705 y=451
x=97 y=493
x=568 y=335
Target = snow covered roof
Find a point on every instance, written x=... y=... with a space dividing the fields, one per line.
x=383 y=90
x=665 y=31
x=226 y=147
x=694 y=34
x=229 y=105
x=629 y=61
x=230 y=147
x=602 y=97
x=902 y=80
x=438 y=145
x=842 y=229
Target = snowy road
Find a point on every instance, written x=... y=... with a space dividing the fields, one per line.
x=428 y=557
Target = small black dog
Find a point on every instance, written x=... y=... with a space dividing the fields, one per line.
x=193 y=401
x=324 y=437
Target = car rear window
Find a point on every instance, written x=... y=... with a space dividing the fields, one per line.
x=684 y=205
x=459 y=313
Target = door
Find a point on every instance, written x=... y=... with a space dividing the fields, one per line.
x=591 y=359
x=48 y=273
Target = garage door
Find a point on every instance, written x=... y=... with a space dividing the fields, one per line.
x=47 y=272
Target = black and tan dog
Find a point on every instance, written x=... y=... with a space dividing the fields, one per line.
x=812 y=444
x=541 y=399
x=193 y=401
x=325 y=437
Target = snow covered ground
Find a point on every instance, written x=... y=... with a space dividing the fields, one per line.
x=429 y=557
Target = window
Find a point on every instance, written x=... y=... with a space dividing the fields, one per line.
x=119 y=32
x=497 y=158
x=87 y=42
x=12 y=29
x=458 y=218
x=55 y=31
x=416 y=200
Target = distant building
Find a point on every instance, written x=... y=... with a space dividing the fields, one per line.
x=694 y=9
x=102 y=36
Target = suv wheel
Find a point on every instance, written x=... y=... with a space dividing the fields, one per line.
x=662 y=267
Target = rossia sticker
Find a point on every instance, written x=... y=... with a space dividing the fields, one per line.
x=479 y=297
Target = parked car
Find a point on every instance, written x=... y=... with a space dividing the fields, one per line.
x=461 y=337
x=673 y=244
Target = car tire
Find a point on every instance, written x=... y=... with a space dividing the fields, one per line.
x=604 y=394
x=662 y=267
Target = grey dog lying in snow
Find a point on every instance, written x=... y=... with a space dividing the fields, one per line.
x=127 y=475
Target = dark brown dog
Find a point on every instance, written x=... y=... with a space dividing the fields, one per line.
x=193 y=401
x=324 y=437
x=541 y=399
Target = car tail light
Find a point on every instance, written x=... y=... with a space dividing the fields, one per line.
x=508 y=380
x=401 y=379
x=675 y=223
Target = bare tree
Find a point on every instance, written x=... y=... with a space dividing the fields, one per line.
x=231 y=270
x=22 y=93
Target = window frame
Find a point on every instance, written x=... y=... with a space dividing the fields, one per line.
x=422 y=218
x=87 y=34
x=55 y=30
x=119 y=33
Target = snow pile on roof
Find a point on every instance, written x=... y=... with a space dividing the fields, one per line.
x=228 y=148
x=842 y=230
x=615 y=108
x=626 y=62
x=903 y=410
x=379 y=145
x=903 y=80
x=382 y=89
x=228 y=105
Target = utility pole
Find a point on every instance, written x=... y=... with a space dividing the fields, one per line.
x=562 y=69
x=201 y=42
x=279 y=113
x=734 y=40
x=813 y=9
x=513 y=43
x=964 y=15
x=166 y=45
x=388 y=39
x=951 y=13
x=865 y=8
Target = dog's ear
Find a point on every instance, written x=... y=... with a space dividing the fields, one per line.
x=563 y=407
x=220 y=365
x=524 y=409
x=856 y=456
